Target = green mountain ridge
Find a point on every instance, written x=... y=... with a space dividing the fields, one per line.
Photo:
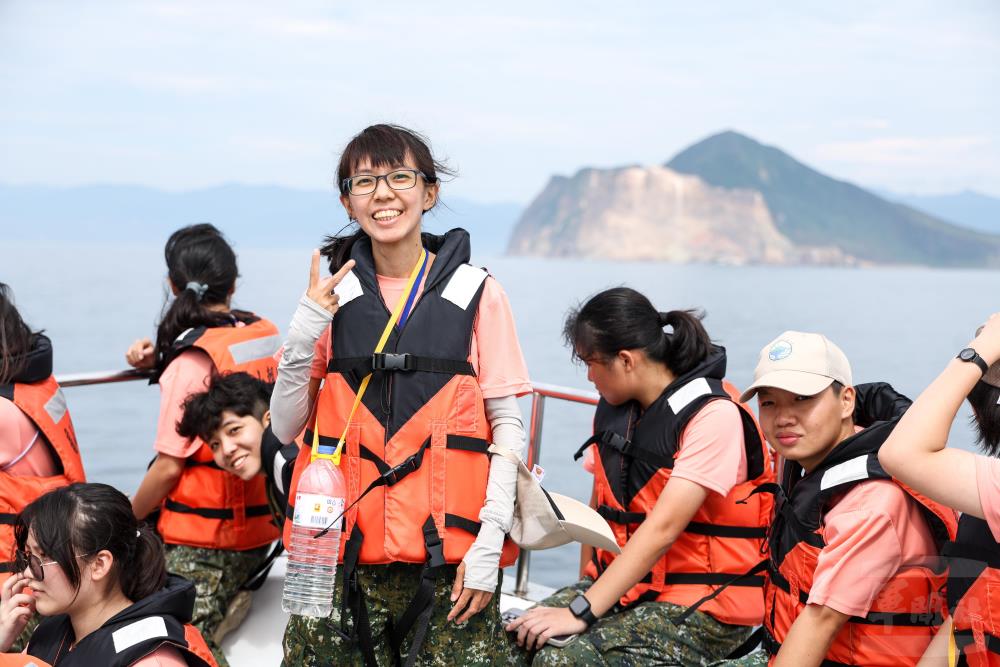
x=813 y=209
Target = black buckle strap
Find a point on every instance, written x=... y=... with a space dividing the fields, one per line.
x=751 y=580
x=353 y=600
x=387 y=361
x=7 y=567
x=955 y=551
x=417 y=615
x=389 y=477
x=219 y=513
x=716 y=530
x=614 y=515
x=7 y=519
x=460 y=522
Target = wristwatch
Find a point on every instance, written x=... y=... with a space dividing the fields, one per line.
x=580 y=607
x=969 y=354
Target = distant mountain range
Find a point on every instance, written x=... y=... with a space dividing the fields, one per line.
x=250 y=216
x=732 y=199
x=726 y=199
x=967 y=208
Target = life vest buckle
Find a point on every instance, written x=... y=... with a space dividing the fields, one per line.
x=397 y=473
x=387 y=361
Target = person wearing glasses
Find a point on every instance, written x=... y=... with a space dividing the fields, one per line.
x=99 y=580
x=423 y=550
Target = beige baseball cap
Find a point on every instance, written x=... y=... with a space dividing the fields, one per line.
x=802 y=363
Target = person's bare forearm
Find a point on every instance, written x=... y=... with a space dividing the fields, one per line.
x=810 y=637
x=161 y=477
x=916 y=452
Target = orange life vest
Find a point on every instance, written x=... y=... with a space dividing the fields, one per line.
x=43 y=402
x=908 y=610
x=421 y=433
x=633 y=463
x=415 y=458
x=209 y=507
x=974 y=593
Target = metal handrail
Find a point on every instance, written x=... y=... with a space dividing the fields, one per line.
x=540 y=391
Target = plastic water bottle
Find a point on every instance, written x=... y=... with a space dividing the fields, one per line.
x=312 y=561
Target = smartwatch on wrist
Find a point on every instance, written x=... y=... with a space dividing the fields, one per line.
x=969 y=354
x=580 y=607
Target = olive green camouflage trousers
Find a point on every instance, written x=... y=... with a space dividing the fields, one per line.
x=218 y=575
x=388 y=589
x=643 y=635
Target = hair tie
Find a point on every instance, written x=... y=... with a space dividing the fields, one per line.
x=199 y=289
x=663 y=319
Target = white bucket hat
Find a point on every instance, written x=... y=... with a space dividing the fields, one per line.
x=543 y=520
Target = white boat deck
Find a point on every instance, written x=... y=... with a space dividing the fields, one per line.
x=258 y=639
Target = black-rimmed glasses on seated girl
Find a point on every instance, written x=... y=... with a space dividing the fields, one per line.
x=25 y=560
x=400 y=179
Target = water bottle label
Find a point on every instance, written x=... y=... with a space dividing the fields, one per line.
x=313 y=510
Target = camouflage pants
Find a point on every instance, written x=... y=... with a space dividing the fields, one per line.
x=388 y=589
x=643 y=635
x=21 y=642
x=758 y=658
x=217 y=575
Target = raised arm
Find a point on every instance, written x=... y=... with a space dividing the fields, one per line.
x=916 y=452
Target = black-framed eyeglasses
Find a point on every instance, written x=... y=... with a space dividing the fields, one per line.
x=35 y=565
x=400 y=179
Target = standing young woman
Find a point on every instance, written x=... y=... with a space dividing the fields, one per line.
x=217 y=528
x=917 y=455
x=38 y=448
x=673 y=452
x=98 y=578
x=425 y=547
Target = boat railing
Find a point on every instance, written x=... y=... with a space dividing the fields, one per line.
x=540 y=393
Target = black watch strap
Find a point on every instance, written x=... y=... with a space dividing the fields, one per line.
x=580 y=607
x=970 y=354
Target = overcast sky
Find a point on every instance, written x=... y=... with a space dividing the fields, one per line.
x=187 y=94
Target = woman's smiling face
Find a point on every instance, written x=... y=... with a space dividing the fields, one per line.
x=390 y=216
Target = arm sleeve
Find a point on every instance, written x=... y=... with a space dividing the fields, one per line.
x=185 y=375
x=483 y=558
x=290 y=399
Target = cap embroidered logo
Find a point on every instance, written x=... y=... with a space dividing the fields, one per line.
x=781 y=349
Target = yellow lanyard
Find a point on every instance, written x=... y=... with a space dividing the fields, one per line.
x=404 y=297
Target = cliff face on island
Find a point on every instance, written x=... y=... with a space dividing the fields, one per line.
x=731 y=200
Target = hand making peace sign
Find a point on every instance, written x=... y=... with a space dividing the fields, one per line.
x=321 y=290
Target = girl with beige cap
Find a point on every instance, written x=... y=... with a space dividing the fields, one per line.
x=916 y=453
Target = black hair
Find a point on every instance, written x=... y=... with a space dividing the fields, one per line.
x=382 y=145
x=240 y=393
x=195 y=254
x=986 y=416
x=73 y=523
x=16 y=337
x=624 y=319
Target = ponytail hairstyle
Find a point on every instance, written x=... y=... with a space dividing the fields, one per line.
x=202 y=265
x=986 y=416
x=16 y=338
x=623 y=319
x=73 y=523
x=382 y=146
